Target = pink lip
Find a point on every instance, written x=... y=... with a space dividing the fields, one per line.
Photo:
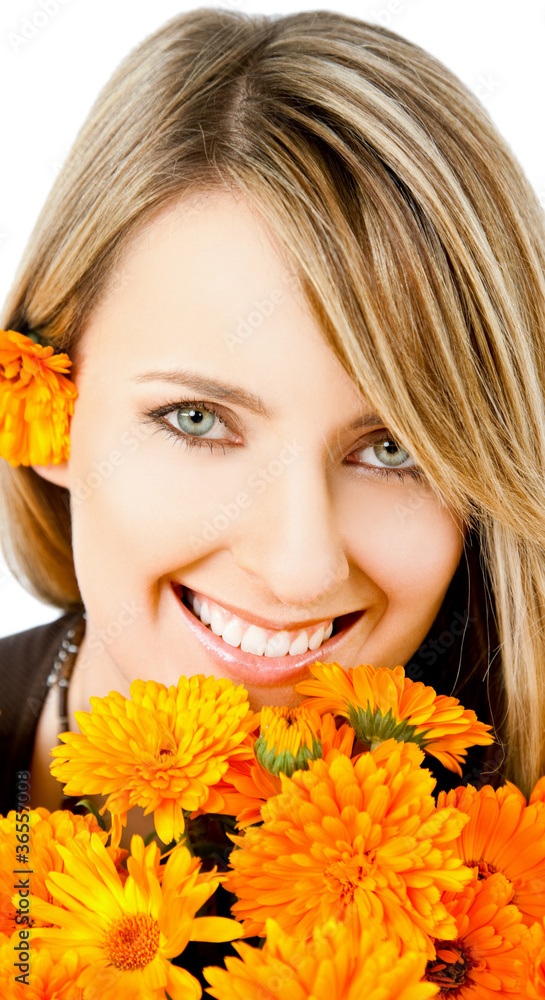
x=260 y=671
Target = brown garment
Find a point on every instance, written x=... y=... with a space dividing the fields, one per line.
x=26 y=659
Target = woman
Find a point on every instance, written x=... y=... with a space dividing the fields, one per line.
x=302 y=243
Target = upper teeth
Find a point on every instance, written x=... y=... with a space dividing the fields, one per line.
x=253 y=639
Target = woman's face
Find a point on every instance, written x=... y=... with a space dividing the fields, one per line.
x=259 y=492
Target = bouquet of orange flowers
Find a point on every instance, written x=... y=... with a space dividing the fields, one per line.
x=315 y=828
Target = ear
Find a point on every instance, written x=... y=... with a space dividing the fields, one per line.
x=57 y=474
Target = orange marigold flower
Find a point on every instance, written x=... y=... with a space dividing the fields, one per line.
x=535 y=946
x=164 y=750
x=382 y=704
x=349 y=836
x=487 y=956
x=504 y=834
x=36 y=402
x=538 y=794
x=49 y=978
x=340 y=962
x=126 y=933
x=39 y=846
x=248 y=783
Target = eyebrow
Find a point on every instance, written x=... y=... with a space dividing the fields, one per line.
x=233 y=393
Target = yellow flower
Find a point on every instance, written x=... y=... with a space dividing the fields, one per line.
x=164 y=750
x=339 y=963
x=127 y=932
x=347 y=836
x=505 y=835
x=36 y=402
x=536 y=957
x=46 y=831
x=48 y=979
x=288 y=739
x=382 y=704
x=487 y=955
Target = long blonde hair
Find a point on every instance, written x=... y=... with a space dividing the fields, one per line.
x=413 y=232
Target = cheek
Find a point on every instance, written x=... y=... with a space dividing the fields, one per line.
x=143 y=503
x=403 y=541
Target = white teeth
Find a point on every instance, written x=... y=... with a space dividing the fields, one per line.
x=299 y=645
x=233 y=633
x=317 y=638
x=278 y=645
x=254 y=640
x=217 y=622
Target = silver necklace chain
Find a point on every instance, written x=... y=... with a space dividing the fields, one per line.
x=63 y=666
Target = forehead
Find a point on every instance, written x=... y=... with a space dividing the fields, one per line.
x=205 y=286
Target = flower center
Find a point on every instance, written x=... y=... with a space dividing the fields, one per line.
x=132 y=942
x=483 y=868
x=167 y=745
x=348 y=874
x=450 y=967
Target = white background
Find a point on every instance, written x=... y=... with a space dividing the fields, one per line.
x=49 y=80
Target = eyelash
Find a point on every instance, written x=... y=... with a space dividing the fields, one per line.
x=155 y=417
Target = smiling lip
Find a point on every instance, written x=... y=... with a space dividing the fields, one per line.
x=261 y=671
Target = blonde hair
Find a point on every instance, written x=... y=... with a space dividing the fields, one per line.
x=414 y=234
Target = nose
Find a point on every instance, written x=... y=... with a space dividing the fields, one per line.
x=290 y=539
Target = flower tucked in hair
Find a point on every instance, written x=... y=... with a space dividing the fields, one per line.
x=340 y=962
x=36 y=402
x=347 y=837
x=164 y=750
x=382 y=704
x=127 y=933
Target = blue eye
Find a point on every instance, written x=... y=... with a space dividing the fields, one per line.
x=196 y=423
x=386 y=449
x=195 y=420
